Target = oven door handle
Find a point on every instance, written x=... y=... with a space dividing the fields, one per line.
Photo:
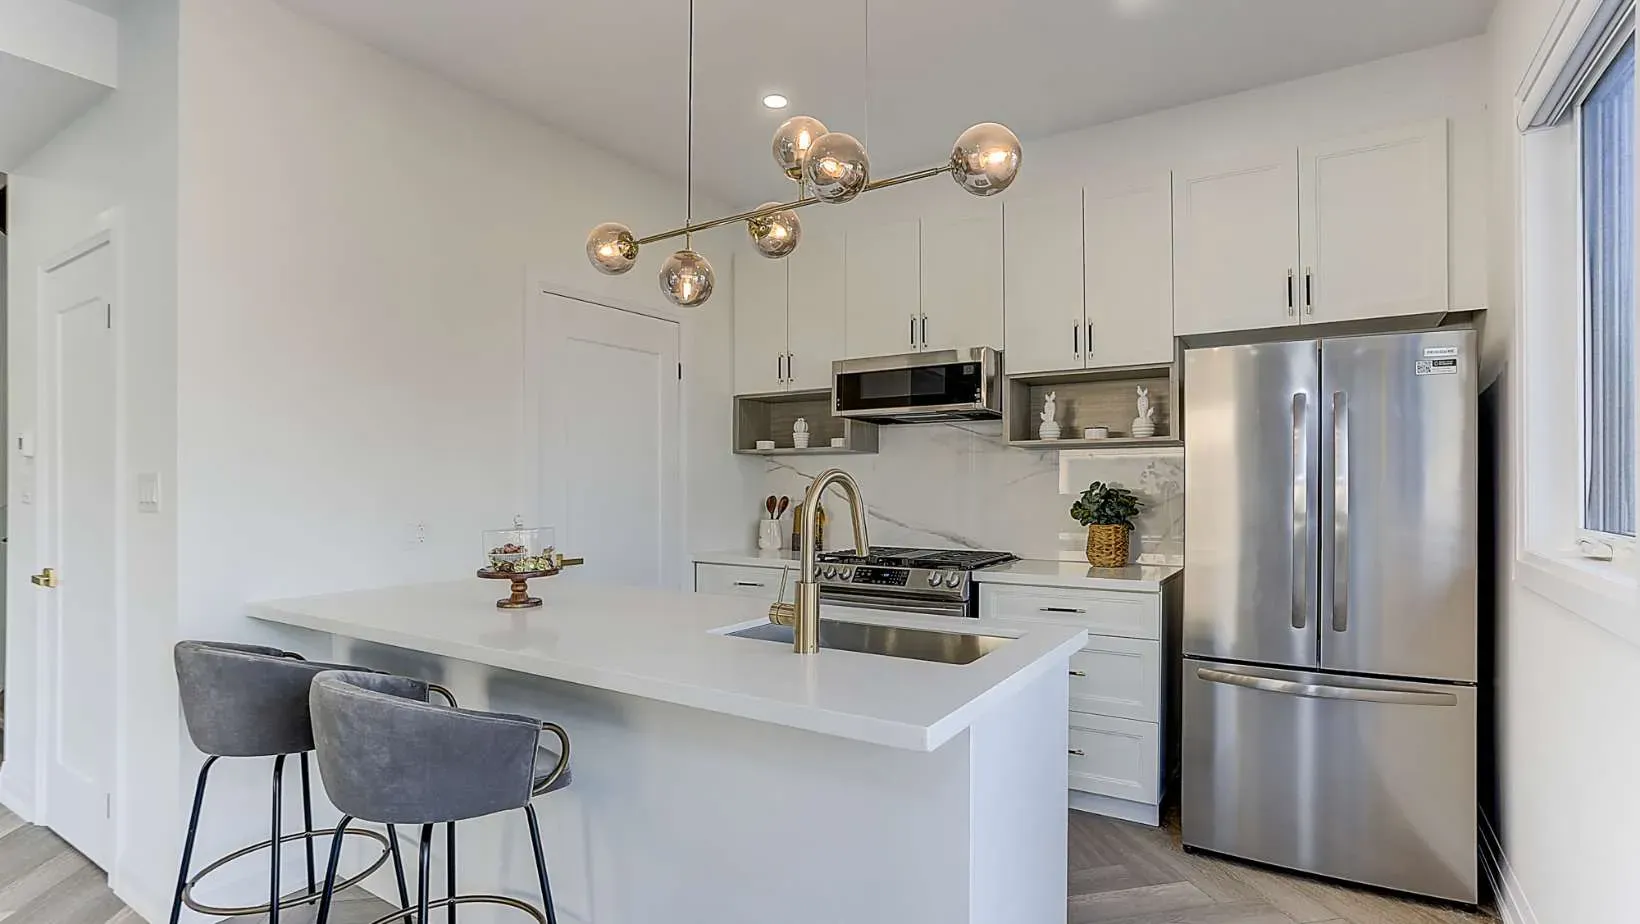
x=866 y=600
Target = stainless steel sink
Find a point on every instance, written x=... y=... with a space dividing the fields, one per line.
x=914 y=644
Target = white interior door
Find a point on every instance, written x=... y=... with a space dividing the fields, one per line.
x=78 y=455
x=610 y=453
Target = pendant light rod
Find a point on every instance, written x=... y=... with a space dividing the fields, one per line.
x=764 y=211
x=689 y=157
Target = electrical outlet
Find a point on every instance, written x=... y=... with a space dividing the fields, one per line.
x=148 y=494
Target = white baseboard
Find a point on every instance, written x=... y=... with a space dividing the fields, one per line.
x=1512 y=903
x=1094 y=804
x=151 y=906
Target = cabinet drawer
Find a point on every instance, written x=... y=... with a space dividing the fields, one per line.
x=1115 y=757
x=1118 y=677
x=1104 y=612
x=762 y=583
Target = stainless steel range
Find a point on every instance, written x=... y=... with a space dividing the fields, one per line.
x=934 y=581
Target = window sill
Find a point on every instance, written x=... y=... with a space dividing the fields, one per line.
x=1604 y=593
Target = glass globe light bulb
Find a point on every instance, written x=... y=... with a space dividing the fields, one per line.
x=687 y=279
x=775 y=235
x=837 y=167
x=792 y=141
x=985 y=159
x=611 y=248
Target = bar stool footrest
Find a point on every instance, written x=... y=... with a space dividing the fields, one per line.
x=291 y=901
x=406 y=914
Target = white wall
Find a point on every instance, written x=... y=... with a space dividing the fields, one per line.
x=355 y=238
x=1564 y=686
x=121 y=155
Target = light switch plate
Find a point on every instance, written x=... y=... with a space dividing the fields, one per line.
x=148 y=492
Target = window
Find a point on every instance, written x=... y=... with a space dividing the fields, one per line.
x=1606 y=149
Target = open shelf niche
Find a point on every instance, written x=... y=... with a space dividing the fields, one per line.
x=1094 y=398
x=770 y=417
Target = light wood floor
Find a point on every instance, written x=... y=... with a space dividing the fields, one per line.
x=1119 y=874
x=1122 y=873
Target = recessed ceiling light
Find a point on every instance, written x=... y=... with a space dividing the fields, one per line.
x=775 y=101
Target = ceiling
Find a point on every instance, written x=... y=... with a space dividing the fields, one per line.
x=614 y=74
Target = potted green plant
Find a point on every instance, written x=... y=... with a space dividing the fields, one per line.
x=1107 y=510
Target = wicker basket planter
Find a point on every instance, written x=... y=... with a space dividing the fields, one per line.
x=1108 y=546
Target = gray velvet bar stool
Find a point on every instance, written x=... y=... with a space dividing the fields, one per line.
x=248 y=701
x=389 y=755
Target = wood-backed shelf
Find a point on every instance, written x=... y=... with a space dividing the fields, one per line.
x=1094 y=398
x=1115 y=442
x=770 y=417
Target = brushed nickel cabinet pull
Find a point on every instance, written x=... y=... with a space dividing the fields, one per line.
x=1079 y=673
x=1059 y=609
x=1076 y=752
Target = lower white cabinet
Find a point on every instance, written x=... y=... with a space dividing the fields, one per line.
x=740 y=580
x=1122 y=706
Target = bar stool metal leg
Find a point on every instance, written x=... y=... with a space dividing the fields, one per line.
x=398 y=865
x=426 y=871
x=307 y=822
x=541 y=865
x=273 y=849
x=450 y=870
x=188 y=843
x=330 y=871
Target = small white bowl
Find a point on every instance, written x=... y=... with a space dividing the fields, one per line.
x=1096 y=433
x=838 y=442
x=765 y=445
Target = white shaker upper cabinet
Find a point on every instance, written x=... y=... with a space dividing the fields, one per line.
x=1129 y=266
x=1235 y=244
x=818 y=294
x=1042 y=248
x=962 y=279
x=884 y=314
x=1373 y=224
x=760 y=324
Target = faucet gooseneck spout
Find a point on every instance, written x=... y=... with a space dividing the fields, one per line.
x=804 y=616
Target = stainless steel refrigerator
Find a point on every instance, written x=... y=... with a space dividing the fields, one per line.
x=1329 y=608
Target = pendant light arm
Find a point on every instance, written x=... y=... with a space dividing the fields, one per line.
x=767 y=210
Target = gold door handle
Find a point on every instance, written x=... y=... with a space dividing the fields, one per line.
x=46 y=578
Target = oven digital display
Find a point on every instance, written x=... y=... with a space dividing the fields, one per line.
x=882 y=577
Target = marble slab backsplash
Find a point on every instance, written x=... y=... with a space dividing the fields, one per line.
x=958 y=485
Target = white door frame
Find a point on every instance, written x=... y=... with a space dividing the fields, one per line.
x=537 y=286
x=111 y=234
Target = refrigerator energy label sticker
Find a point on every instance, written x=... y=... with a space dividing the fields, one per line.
x=1437 y=361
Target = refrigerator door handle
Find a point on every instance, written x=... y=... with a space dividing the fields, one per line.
x=1341 y=513
x=1392 y=697
x=1301 y=509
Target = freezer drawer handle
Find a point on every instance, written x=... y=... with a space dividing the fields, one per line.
x=1059 y=609
x=1326 y=691
x=1301 y=509
x=1341 y=513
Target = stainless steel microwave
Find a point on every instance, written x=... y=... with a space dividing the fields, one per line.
x=919 y=387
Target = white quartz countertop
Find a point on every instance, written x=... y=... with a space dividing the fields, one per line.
x=1078 y=576
x=667 y=646
x=1029 y=572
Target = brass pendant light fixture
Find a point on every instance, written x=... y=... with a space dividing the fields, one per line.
x=827 y=166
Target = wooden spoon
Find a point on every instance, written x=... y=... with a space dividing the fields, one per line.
x=780 y=511
x=768 y=505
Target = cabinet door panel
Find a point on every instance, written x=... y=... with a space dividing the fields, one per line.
x=1235 y=244
x=760 y=323
x=1042 y=250
x=818 y=298
x=883 y=283
x=1129 y=266
x=962 y=279
x=1373 y=224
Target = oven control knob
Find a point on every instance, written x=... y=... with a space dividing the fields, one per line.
x=846 y=574
x=934 y=578
x=953 y=579
x=828 y=571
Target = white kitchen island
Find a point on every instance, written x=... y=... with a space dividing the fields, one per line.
x=730 y=780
